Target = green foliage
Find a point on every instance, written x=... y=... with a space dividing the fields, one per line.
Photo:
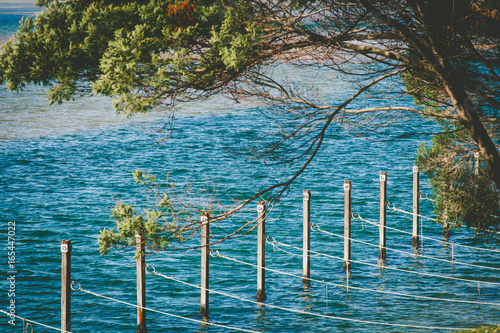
x=157 y=227
x=484 y=329
x=237 y=41
x=464 y=192
x=128 y=225
x=142 y=53
x=420 y=86
x=174 y=216
x=140 y=176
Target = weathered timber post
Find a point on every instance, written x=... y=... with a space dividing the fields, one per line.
x=205 y=241
x=66 y=285
x=416 y=205
x=140 y=263
x=347 y=225
x=446 y=225
x=382 y=223
x=261 y=251
x=476 y=165
x=306 y=239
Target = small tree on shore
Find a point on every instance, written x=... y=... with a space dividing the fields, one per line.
x=463 y=191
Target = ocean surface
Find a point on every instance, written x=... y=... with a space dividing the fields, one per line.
x=65 y=166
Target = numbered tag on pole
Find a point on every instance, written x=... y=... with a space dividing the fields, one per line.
x=64 y=248
x=305 y=196
x=415 y=169
x=383 y=178
x=204 y=219
x=260 y=208
x=347 y=187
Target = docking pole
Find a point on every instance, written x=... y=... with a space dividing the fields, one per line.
x=347 y=225
x=416 y=206
x=382 y=229
x=261 y=252
x=306 y=238
x=66 y=286
x=205 y=241
x=140 y=263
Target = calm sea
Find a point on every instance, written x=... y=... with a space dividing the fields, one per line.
x=65 y=166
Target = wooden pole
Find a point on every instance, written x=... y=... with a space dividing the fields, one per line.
x=382 y=229
x=140 y=263
x=306 y=239
x=476 y=165
x=446 y=226
x=347 y=225
x=416 y=205
x=66 y=286
x=261 y=252
x=205 y=241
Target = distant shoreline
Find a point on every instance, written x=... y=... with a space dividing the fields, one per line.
x=18 y=1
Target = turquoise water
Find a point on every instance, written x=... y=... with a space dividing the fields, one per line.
x=65 y=166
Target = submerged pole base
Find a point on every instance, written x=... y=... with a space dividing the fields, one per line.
x=382 y=254
x=141 y=329
x=204 y=313
x=347 y=266
x=414 y=241
x=261 y=296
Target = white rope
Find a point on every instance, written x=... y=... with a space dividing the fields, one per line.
x=404 y=252
x=422 y=237
x=34 y=322
x=429 y=218
x=488 y=231
x=358 y=217
x=403 y=211
x=390 y=268
x=79 y=288
x=347 y=286
x=425 y=197
x=300 y=311
x=287 y=252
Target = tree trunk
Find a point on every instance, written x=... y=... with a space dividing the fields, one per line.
x=470 y=119
x=430 y=49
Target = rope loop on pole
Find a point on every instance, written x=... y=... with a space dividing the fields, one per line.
x=273 y=243
x=424 y=196
x=212 y=251
x=74 y=284
x=153 y=271
x=390 y=205
x=26 y=326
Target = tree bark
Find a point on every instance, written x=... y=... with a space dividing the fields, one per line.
x=469 y=118
x=430 y=51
